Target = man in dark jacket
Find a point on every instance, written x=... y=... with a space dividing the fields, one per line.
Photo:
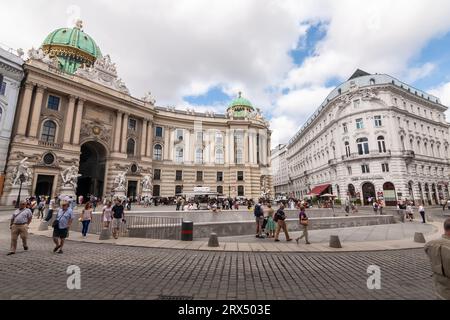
x=259 y=218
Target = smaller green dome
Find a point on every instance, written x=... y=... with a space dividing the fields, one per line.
x=240 y=107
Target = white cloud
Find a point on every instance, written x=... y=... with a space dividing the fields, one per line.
x=443 y=93
x=417 y=73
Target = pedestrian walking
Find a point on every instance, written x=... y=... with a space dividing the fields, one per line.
x=86 y=218
x=380 y=206
x=422 y=213
x=41 y=208
x=409 y=212
x=61 y=226
x=259 y=218
x=20 y=220
x=270 y=226
x=51 y=209
x=280 y=217
x=438 y=252
x=107 y=214
x=303 y=221
x=33 y=205
x=118 y=217
x=375 y=207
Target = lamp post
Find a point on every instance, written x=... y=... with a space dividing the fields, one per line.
x=22 y=180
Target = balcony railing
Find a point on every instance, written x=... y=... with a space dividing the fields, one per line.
x=48 y=144
x=372 y=154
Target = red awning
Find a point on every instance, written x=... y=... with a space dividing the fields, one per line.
x=318 y=190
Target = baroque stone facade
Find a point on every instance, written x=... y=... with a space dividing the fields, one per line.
x=89 y=120
x=374 y=136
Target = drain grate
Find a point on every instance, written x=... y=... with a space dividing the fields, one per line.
x=166 y=297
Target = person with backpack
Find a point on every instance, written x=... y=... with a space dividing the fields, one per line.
x=303 y=221
x=118 y=218
x=259 y=218
x=280 y=217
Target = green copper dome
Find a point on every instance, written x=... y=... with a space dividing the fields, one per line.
x=72 y=47
x=240 y=107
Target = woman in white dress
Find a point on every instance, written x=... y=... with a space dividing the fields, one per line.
x=107 y=214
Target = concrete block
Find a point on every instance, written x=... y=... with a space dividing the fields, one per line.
x=105 y=234
x=418 y=237
x=213 y=240
x=43 y=226
x=335 y=242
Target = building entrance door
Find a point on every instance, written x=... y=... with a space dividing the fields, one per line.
x=44 y=185
x=92 y=170
x=368 y=190
x=132 y=190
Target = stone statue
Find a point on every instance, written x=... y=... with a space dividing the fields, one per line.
x=70 y=177
x=39 y=54
x=149 y=98
x=120 y=180
x=147 y=183
x=23 y=168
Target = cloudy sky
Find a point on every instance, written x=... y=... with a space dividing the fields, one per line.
x=285 y=56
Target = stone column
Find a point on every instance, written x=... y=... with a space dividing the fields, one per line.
x=69 y=119
x=117 y=131
x=149 y=139
x=25 y=109
x=123 y=148
x=36 y=112
x=77 y=126
x=250 y=147
x=144 y=137
x=166 y=143
x=246 y=146
x=187 y=150
x=172 y=144
x=226 y=147
x=231 y=147
x=212 y=146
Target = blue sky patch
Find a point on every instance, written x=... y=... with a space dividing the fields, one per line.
x=214 y=96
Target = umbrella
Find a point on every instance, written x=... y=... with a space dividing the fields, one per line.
x=327 y=195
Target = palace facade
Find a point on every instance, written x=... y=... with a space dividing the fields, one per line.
x=74 y=110
x=373 y=136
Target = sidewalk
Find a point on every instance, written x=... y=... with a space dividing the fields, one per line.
x=432 y=230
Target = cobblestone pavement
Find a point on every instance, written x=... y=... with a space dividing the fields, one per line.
x=118 y=272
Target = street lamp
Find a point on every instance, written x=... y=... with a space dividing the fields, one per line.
x=22 y=180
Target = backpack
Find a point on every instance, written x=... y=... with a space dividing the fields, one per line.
x=258 y=211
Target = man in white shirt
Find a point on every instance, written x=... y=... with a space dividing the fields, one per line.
x=20 y=220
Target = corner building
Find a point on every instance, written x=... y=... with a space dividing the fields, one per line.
x=73 y=109
x=373 y=136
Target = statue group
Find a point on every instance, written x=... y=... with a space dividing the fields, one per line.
x=70 y=177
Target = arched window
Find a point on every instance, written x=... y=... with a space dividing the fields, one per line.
x=363 y=146
x=347 y=148
x=179 y=152
x=48 y=131
x=372 y=81
x=198 y=155
x=381 y=144
x=157 y=152
x=219 y=156
x=131 y=146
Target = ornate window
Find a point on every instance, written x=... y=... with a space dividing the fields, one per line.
x=157 y=152
x=159 y=132
x=179 y=155
x=48 y=131
x=179 y=134
x=131 y=146
x=49 y=158
x=219 y=156
x=132 y=124
x=365 y=168
x=381 y=144
x=377 y=120
x=220 y=189
x=363 y=146
x=198 y=155
x=347 y=148
x=359 y=123
x=239 y=156
x=219 y=138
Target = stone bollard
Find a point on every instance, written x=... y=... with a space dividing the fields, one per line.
x=418 y=237
x=213 y=240
x=105 y=234
x=43 y=226
x=335 y=242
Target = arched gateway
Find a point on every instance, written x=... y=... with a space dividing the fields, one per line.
x=92 y=169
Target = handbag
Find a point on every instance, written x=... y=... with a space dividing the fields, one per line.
x=304 y=222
